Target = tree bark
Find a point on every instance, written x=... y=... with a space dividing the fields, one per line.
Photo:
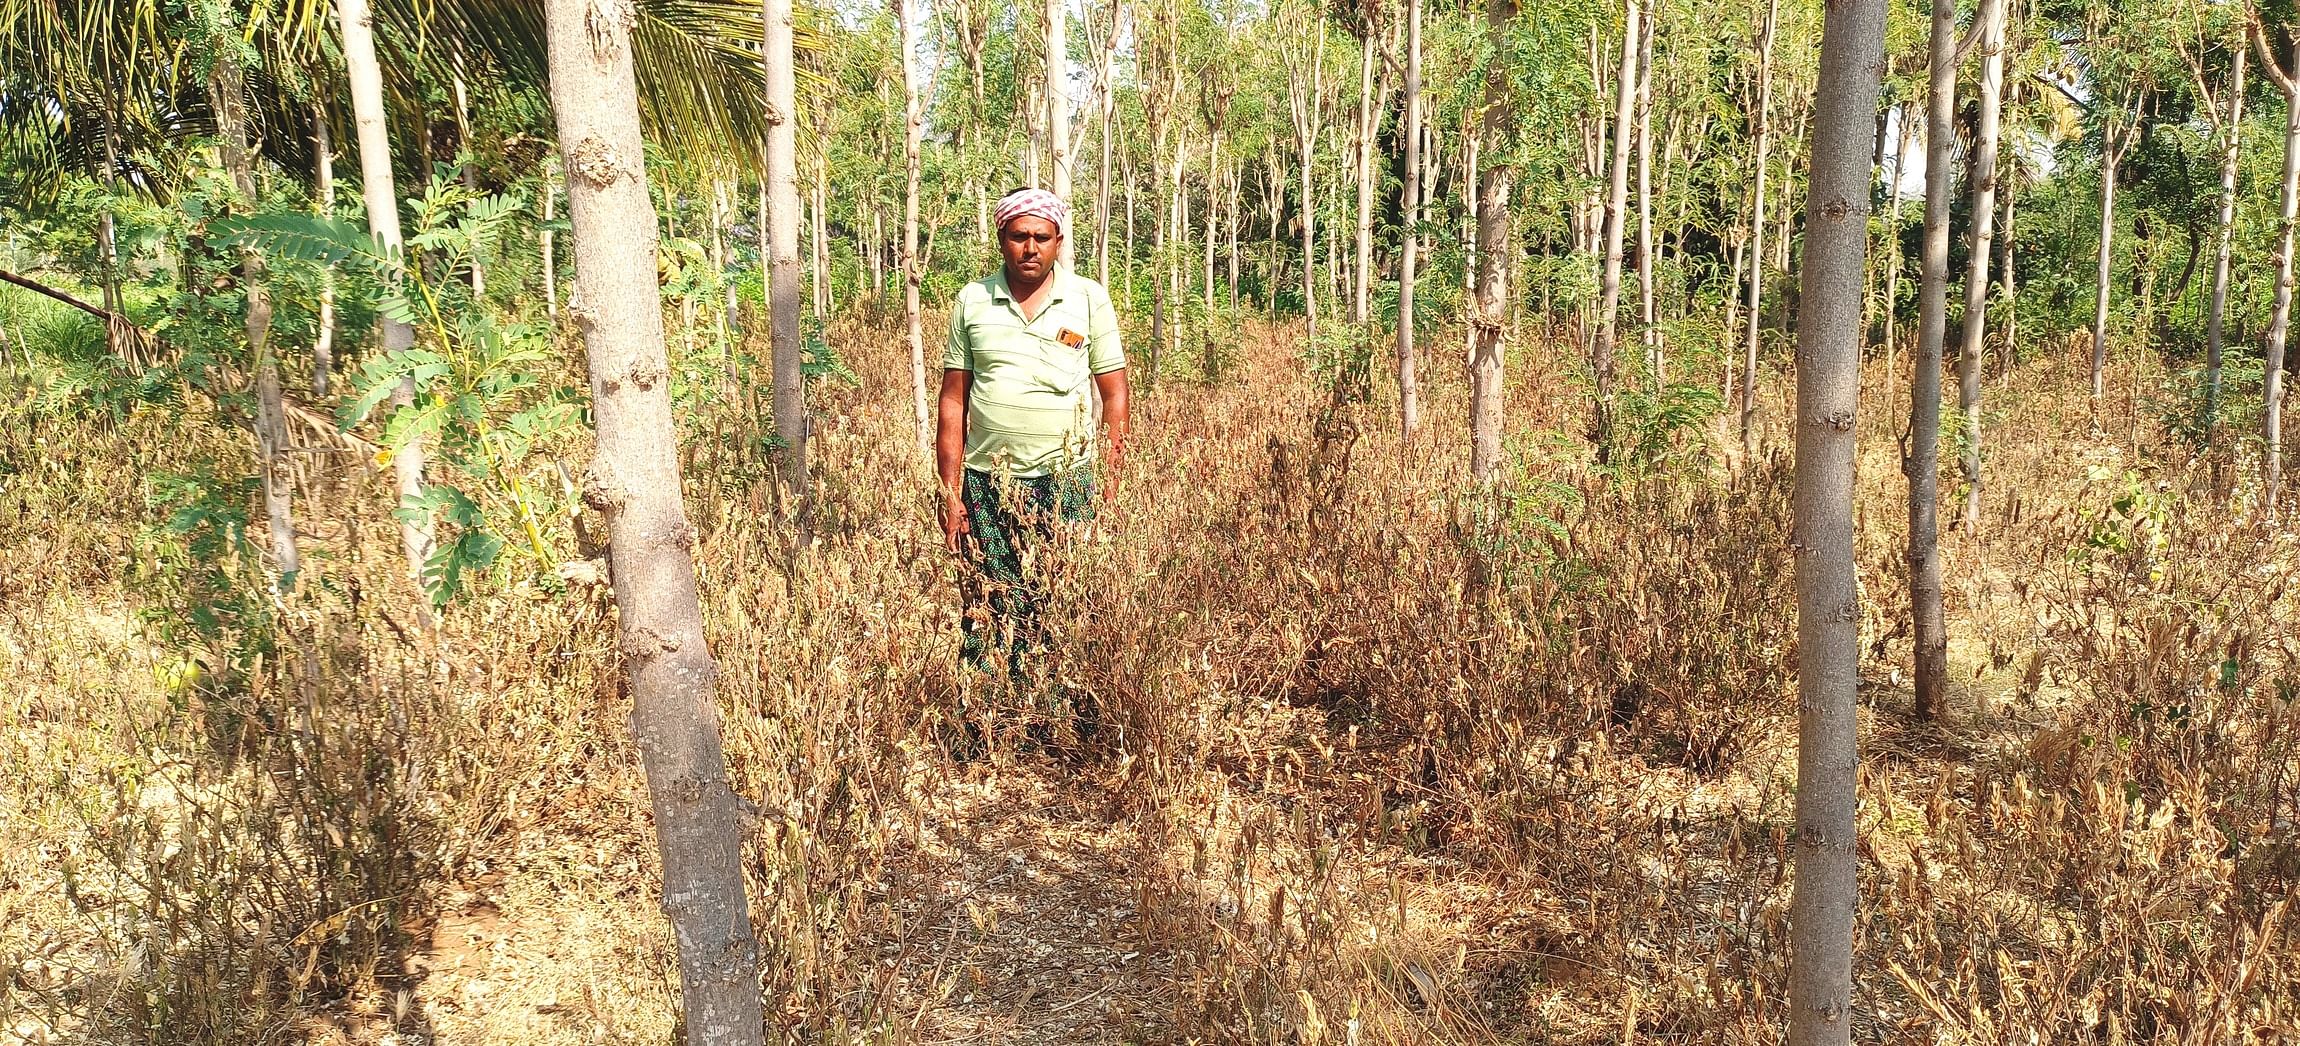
x=2215 y=336
x=1304 y=91
x=1981 y=182
x=2279 y=321
x=1616 y=227
x=1763 y=118
x=1649 y=330
x=1362 y=288
x=1109 y=106
x=1922 y=466
x=1493 y=249
x=469 y=174
x=634 y=482
x=227 y=84
x=1893 y=241
x=782 y=220
x=1409 y=201
x=914 y=115
x=2103 y=259
x=547 y=241
x=323 y=201
x=364 y=77
x=1827 y=892
x=1058 y=116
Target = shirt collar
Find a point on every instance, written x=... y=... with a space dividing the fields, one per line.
x=1000 y=292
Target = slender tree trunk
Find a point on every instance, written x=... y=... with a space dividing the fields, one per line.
x=547 y=240
x=323 y=201
x=1650 y=330
x=907 y=12
x=1109 y=105
x=2280 y=320
x=1409 y=201
x=1893 y=241
x=1493 y=250
x=634 y=482
x=1982 y=183
x=1058 y=115
x=1616 y=227
x=228 y=87
x=1826 y=893
x=2011 y=310
x=781 y=193
x=470 y=174
x=1362 y=288
x=1763 y=118
x=2106 y=256
x=364 y=77
x=1923 y=464
x=1472 y=261
x=2230 y=151
x=822 y=269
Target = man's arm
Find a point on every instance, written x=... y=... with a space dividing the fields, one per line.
x=950 y=452
x=1116 y=424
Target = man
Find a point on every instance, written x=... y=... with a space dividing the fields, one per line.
x=1015 y=444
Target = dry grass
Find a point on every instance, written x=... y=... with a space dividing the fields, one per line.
x=1382 y=760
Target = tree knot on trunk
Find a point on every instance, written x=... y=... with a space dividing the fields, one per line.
x=1836 y=209
x=1841 y=420
x=775 y=115
x=597 y=163
x=600 y=490
x=646 y=643
x=644 y=374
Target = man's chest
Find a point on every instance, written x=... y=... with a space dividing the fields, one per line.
x=1001 y=334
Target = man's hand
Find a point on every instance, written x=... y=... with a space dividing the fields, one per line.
x=955 y=528
x=1117 y=424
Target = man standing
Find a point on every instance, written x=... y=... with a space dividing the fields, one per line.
x=1014 y=443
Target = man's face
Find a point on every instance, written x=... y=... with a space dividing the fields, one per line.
x=1030 y=244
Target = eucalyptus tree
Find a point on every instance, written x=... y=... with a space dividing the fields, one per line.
x=1827 y=889
x=1616 y=223
x=1302 y=44
x=634 y=482
x=781 y=194
x=2121 y=82
x=914 y=115
x=2229 y=128
x=1989 y=35
x=1922 y=465
x=1410 y=205
x=1498 y=132
x=2280 y=320
x=1763 y=133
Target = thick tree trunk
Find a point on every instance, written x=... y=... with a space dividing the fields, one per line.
x=1763 y=118
x=782 y=221
x=634 y=482
x=1409 y=200
x=1616 y=227
x=914 y=116
x=1981 y=182
x=2215 y=336
x=1923 y=464
x=1493 y=249
x=227 y=85
x=364 y=77
x=1826 y=894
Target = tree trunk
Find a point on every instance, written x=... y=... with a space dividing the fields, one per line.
x=1763 y=118
x=470 y=175
x=2103 y=259
x=1650 y=330
x=634 y=483
x=907 y=12
x=1109 y=106
x=2215 y=338
x=1616 y=227
x=323 y=201
x=364 y=77
x=1362 y=288
x=227 y=85
x=1827 y=892
x=1058 y=115
x=547 y=241
x=2279 y=321
x=781 y=194
x=1493 y=249
x=1923 y=464
x=1409 y=201
x=1472 y=261
x=1893 y=241
x=1982 y=183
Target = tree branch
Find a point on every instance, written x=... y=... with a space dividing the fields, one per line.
x=36 y=286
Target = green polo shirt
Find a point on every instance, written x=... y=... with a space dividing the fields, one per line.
x=1029 y=410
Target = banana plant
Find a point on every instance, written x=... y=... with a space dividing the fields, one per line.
x=487 y=406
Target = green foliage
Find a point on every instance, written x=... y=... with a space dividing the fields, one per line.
x=199 y=570
x=469 y=549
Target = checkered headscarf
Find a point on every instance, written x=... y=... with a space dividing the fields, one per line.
x=1037 y=203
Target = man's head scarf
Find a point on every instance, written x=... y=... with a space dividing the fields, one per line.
x=1034 y=203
